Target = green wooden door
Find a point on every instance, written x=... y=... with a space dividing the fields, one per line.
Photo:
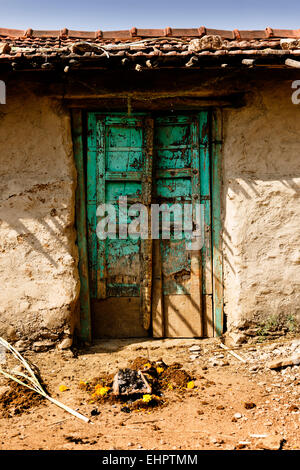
x=177 y=184
x=157 y=286
x=119 y=163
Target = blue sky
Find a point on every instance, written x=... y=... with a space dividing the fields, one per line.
x=120 y=14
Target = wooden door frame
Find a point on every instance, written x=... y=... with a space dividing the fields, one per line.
x=85 y=332
x=216 y=140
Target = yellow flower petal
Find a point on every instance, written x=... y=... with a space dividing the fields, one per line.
x=101 y=391
x=147 y=366
x=147 y=398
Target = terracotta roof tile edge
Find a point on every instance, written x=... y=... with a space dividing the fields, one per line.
x=152 y=33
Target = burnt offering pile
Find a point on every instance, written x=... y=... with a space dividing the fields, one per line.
x=141 y=385
x=130 y=382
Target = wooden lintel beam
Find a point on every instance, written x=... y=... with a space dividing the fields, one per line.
x=157 y=103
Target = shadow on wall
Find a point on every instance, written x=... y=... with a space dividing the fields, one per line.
x=38 y=221
x=253 y=199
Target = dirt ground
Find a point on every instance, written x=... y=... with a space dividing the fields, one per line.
x=234 y=404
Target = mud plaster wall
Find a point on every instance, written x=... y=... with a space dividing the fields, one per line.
x=38 y=255
x=261 y=208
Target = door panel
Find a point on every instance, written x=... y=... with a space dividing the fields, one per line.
x=119 y=165
x=178 y=182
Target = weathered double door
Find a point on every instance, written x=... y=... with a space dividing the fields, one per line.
x=154 y=283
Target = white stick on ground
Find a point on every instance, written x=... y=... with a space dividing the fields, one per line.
x=232 y=353
x=35 y=385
